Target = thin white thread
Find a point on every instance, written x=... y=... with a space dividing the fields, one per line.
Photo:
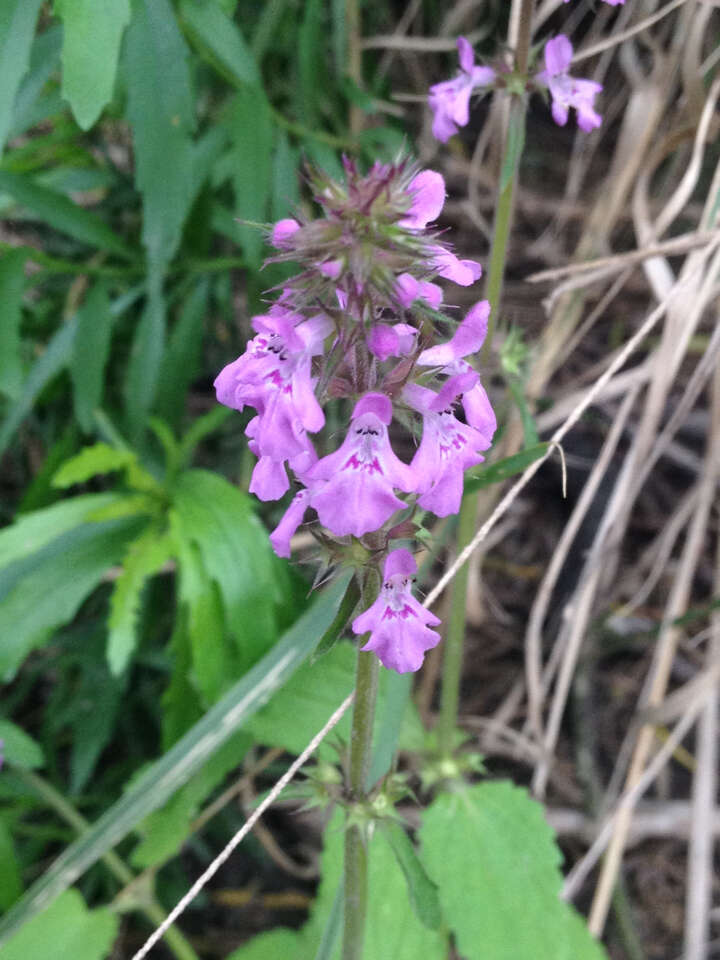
x=244 y=830
x=462 y=558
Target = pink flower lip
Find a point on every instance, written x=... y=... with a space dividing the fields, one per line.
x=400 y=561
x=376 y=403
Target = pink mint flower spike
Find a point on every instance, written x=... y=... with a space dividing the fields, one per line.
x=408 y=289
x=450 y=100
x=462 y=272
x=397 y=623
x=567 y=91
x=360 y=477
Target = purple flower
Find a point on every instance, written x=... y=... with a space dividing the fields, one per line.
x=462 y=272
x=282 y=231
x=361 y=475
x=397 y=623
x=567 y=91
x=467 y=339
x=450 y=100
x=292 y=518
x=448 y=447
x=397 y=341
x=274 y=376
x=427 y=190
x=408 y=289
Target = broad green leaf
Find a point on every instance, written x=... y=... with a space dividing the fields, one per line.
x=494 y=858
x=423 y=893
x=87 y=701
x=392 y=928
x=161 y=113
x=396 y=721
x=90 y=354
x=213 y=657
x=298 y=711
x=66 y=929
x=92 y=461
x=61 y=213
x=145 y=557
x=507 y=467
x=19 y=749
x=12 y=287
x=17 y=26
x=93 y=30
x=236 y=554
x=251 y=131
x=11 y=885
x=45 y=368
x=59 y=578
x=145 y=361
x=280 y=944
x=171 y=771
x=32 y=531
x=30 y=102
x=218 y=39
x=181 y=358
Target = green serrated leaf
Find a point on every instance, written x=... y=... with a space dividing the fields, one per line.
x=392 y=929
x=12 y=287
x=507 y=467
x=146 y=359
x=251 y=130
x=236 y=554
x=145 y=557
x=17 y=26
x=45 y=368
x=72 y=929
x=163 y=778
x=493 y=855
x=422 y=891
x=54 y=582
x=98 y=459
x=60 y=213
x=337 y=627
x=161 y=113
x=32 y=531
x=181 y=358
x=93 y=30
x=90 y=353
x=19 y=749
x=218 y=39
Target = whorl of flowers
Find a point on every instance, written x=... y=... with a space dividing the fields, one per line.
x=449 y=100
x=357 y=327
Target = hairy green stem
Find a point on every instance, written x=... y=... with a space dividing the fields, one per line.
x=149 y=906
x=455 y=635
x=366 y=680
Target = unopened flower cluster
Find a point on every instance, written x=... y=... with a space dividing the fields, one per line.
x=449 y=101
x=356 y=328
